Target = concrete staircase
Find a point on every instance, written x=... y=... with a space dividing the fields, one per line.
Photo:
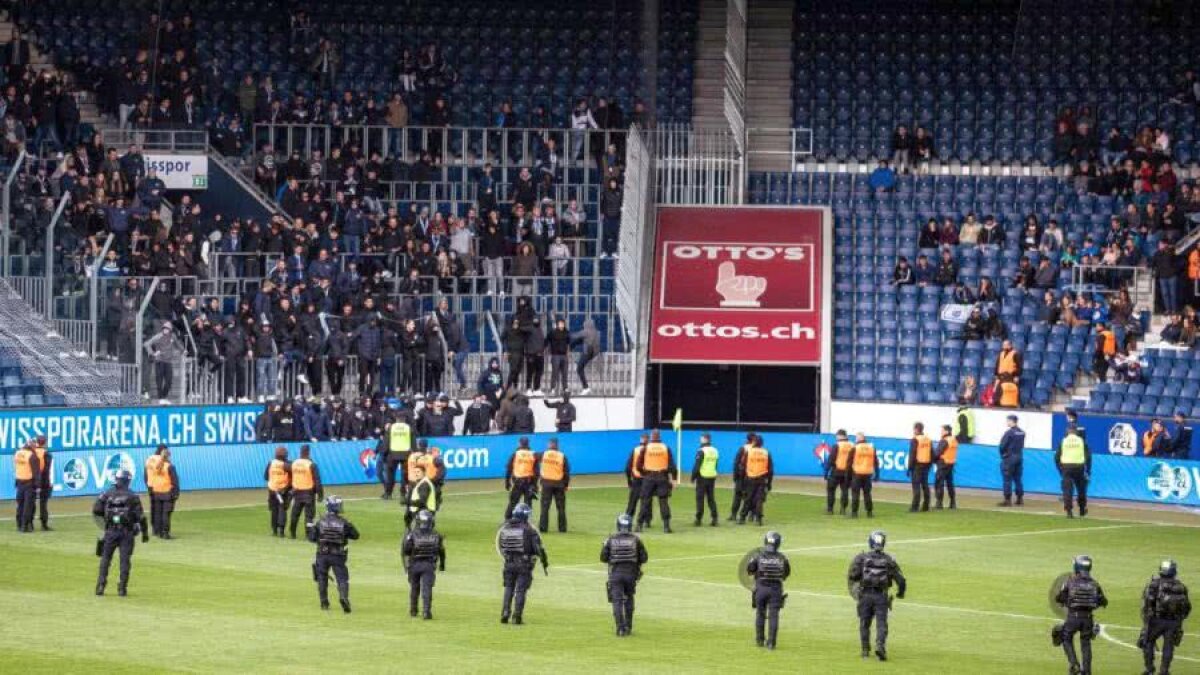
x=708 y=83
x=769 y=84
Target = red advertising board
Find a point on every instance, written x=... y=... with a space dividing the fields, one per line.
x=738 y=285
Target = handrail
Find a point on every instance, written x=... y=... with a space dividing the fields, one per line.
x=6 y=215
x=164 y=140
x=49 y=262
x=491 y=322
x=139 y=328
x=268 y=202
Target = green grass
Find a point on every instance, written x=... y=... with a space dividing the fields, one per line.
x=226 y=596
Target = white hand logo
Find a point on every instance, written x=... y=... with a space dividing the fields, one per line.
x=739 y=291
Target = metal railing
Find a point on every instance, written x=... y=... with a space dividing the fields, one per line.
x=456 y=148
x=160 y=140
x=697 y=166
x=1112 y=279
x=735 y=71
x=791 y=145
x=6 y=215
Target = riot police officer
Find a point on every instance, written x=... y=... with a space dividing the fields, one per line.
x=520 y=476
x=874 y=572
x=519 y=544
x=624 y=553
x=1165 y=605
x=770 y=569
x=120 y=514
x=422 y=549
x=306 y=489
x=1081 y=595
x=1074 y=462
x=330 y=534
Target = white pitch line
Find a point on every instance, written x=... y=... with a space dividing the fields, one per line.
x=814 y=594
x=1104 y=634
x=927 y=540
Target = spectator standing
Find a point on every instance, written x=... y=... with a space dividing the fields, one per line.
x=165 y=349
x=611 y=198
x=1166 y=271
x=901 y=149
x=588 y=339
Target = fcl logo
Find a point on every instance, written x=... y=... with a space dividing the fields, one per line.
x=1122 y=439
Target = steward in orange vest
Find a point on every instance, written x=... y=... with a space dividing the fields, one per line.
x=945 y=456
x=837 y=473
x=864 y=468
x=739 y=492
x=1009 y=363
x=1156 y=442
x=920 y=458
x=278 y=476
x=1106 y=348
x=162 y=484
x=27 y=471
x=556 y=478
x=306 y=490
x=759 y=472
x=520 y=476
x=657 y=466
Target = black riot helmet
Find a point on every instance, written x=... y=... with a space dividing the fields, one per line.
x=521 y=513
x=772 y=540
x=1167 y=569
x=877 y=540
x=1083 y=564
x=333 y=504
x=123 y=478
x=425 y=520
x=624 y=523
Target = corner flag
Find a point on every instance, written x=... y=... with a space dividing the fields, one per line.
x=677 y=423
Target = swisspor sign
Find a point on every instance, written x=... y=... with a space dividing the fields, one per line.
x=738 y=285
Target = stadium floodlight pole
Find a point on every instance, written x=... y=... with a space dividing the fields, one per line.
x=6 y=205
x=48 y=306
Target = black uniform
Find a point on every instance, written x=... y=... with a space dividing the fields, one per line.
x=875 y=572
x=739 y=479
x=305 y=501
x=26 y=497
x=1074 y=476
x=520 y=544
x=769 y=569
x=1165 y=605
x=330 y=534
x=123 y=519
x=162 y=505
x=918 y=472
x=424 y=553
x=1081 y=595
x=44 y=489
x=625 y=554
x=564 y=414
x=554 y=492
x=393 y=460
x=705 y=490
x=634 y=480
x=418 y=499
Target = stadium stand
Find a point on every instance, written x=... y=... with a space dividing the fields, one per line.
x=889 y=337
x=989 y=80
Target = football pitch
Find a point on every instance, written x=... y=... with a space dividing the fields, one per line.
x=226 y=596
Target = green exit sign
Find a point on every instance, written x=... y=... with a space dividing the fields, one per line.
x=200 y=182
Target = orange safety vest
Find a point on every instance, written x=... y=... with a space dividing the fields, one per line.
x=277 y=476
x=1008 y=362
x=864 y=459
x=637 y=454
x=1109 y=347
x=757 y=460
x=425 y=461
x=658 y=457
x=924 y=449
x=553 y=464
x=842 y=461
x=414 y=461
x=523 y=463
x=1009 y=395
x=1148 y=442
x=302 y=474
x=158 y=475
x=23 y=464
x=950 y=454
x=1194 y=265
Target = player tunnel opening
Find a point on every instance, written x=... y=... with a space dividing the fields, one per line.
x=732 y=395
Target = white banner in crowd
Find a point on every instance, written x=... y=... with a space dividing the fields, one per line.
x=180 y=172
